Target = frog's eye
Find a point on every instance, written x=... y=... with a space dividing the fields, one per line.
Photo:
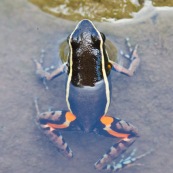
x=96 y=40
x=103 y=36
x=74 y=43
x=109 y=66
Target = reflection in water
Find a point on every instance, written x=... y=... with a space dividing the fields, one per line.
x=96 y=9
x=92 y=9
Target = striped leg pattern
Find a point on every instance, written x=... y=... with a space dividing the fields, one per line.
x=127 y=134
x=51 y=122
x=126 y=162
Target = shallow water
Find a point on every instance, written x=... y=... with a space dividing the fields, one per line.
x=96 y=9
x=145 y=99
x=91 y=9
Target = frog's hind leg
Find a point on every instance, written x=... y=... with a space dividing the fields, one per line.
x=127 y=134
x=51 y=122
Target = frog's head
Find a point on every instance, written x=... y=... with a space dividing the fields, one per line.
x=87 y=58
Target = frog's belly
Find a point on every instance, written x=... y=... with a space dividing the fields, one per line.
x=88 y=103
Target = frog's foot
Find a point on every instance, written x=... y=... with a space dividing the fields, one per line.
x=132 y=56
x=110 y=126
x=126 y=162
x=51 y=122
x=132 y=51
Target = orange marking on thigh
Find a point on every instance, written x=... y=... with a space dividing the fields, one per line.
x=106 y=120
x=57 y=126
x=70 y=117
x=116 y=134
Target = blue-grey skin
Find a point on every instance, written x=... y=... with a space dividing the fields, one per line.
x=88 y=104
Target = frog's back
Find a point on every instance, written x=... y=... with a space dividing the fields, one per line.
x=88 y=88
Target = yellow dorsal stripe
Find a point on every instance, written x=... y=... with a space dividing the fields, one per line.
x=104 y=72
x=70 y=71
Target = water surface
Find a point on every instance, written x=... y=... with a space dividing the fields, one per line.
x=144 y=100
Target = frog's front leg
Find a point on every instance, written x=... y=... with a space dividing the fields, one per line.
x=51 y=122
x=117 y=128
x=132 y=56
x=45 y=74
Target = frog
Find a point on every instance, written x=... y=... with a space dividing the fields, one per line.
x=88 y=90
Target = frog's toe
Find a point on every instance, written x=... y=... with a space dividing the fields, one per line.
x=42 y=56
x=124 y=54
x=127 y=162
x=129 y=46
x=132 y=50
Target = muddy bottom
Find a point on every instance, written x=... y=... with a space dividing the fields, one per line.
x=145 y=99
